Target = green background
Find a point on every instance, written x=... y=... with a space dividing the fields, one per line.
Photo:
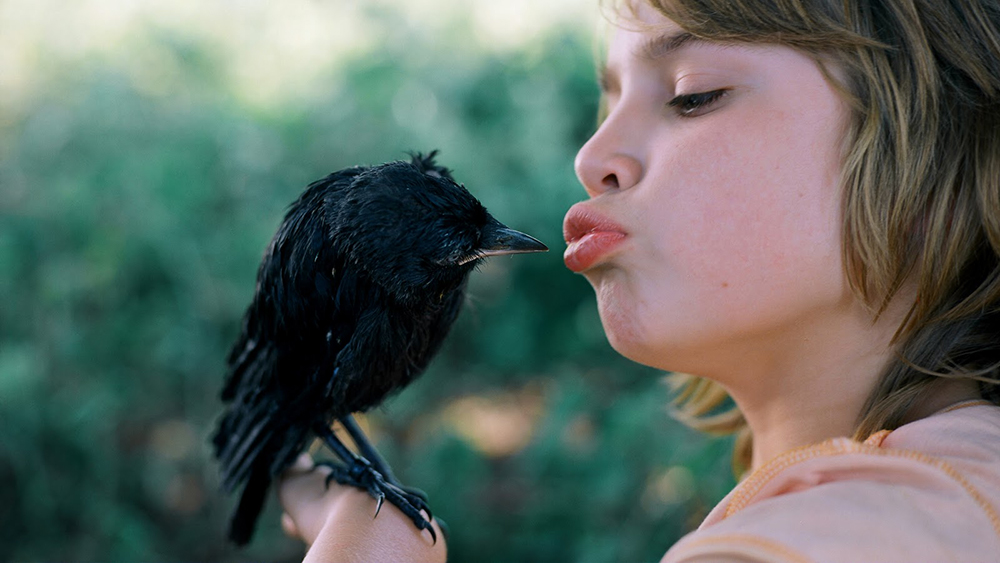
x=136 y=198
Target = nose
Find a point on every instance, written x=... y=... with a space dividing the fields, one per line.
x=605 y=163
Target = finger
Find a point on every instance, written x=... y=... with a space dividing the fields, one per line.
x=300 y=485
x=289 y=527
x=306 y=499
x=303 y=464
x=300 y=481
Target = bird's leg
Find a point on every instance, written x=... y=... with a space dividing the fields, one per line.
x=369 y=452
x=371 y=455
x=359 y=472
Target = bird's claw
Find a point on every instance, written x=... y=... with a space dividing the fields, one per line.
x=362 y=475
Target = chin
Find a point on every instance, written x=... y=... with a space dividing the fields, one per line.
x=631 y=345
x=631 y=327
x=621 y=321
x=656 y=346
x=627 y=343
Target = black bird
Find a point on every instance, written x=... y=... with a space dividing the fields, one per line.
x=355 y=294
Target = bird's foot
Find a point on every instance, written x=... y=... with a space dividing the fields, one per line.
x=360 y=474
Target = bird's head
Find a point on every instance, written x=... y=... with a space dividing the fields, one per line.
x=414 y=230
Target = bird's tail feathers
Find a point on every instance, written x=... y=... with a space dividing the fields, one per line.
x=240 y=447
x=244 y=519
x=245 y=360
x=258 y=458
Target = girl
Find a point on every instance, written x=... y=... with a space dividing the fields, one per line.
x=798 y=202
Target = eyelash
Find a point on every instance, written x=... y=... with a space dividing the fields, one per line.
x=687 y=105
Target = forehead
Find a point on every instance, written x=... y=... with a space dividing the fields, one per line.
x=644 y=35
x=647 y=39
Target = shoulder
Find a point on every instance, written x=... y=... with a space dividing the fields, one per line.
x=928 y=491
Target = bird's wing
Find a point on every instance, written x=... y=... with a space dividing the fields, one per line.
x=283 y=350
x=299 y=237
x=391 y=346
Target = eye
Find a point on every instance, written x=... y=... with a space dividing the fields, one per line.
x=691 y=105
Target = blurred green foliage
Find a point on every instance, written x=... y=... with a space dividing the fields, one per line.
x=131 y=224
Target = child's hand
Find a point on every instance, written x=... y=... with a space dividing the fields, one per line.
x=306 y=500
x=337 y=522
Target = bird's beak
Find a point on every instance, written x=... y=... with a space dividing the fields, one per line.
x=498 y=239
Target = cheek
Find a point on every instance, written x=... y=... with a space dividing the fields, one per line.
x=744 y=235
x=744 y=205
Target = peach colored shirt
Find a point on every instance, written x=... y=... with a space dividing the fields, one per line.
x=928 y=491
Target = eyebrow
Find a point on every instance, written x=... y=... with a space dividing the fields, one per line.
x=663 y=45
x=652 y=49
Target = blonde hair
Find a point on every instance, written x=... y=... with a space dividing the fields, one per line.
x=921 y=181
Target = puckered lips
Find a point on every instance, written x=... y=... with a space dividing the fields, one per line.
x=590 y=237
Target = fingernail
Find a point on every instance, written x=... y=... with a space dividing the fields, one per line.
x=304 y=461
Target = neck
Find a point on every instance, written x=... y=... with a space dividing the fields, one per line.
x=812 y=400
x=820 y=393
x=781 y=428
x=809 y=382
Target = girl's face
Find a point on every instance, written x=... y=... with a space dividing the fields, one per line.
x=712 y=232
